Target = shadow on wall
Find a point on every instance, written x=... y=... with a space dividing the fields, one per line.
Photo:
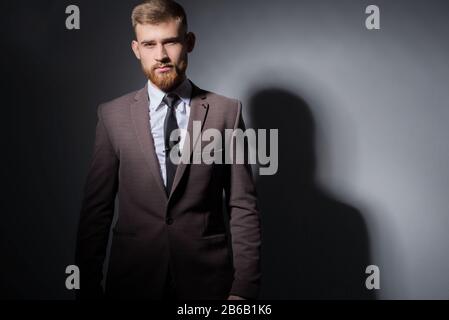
x=314 y=246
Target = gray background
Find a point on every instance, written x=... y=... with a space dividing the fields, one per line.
x=362 y=117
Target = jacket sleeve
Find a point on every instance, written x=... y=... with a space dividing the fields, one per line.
x=96 y=213
x=245 y=226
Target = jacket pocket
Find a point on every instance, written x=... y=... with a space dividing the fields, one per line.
x=215 y=237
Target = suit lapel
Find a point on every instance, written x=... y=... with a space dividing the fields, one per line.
x=198 y=112
x=141 y=120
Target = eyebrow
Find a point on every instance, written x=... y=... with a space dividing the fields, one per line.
x=163 y=41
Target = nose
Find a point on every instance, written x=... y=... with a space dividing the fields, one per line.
x=161 y=53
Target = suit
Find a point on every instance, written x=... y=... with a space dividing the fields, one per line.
x=208 y=253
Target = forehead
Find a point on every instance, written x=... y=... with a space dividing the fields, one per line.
x=167 y=29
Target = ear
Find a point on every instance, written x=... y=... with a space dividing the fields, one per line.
x=191 y=39
x=135 y=47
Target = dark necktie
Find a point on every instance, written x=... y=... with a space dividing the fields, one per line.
x=170 y=124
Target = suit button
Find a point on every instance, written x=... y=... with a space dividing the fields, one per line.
x=169 y=220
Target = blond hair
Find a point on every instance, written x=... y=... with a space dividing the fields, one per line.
x=157 y=11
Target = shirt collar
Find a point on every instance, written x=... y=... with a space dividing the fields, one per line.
x=184 y=91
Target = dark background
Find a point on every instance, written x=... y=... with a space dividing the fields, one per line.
x=361 y=115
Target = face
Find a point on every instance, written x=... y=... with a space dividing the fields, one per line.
x=162 y=50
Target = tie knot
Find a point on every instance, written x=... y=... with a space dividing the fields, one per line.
x=171 y=100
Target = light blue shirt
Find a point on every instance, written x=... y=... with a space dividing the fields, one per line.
x=158 y=111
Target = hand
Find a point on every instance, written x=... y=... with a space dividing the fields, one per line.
x=231 y=297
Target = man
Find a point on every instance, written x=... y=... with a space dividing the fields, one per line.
x=171 y=238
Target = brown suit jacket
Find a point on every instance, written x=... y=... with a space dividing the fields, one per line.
x=186 y=231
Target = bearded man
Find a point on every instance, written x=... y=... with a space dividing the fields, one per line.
x=183 y=231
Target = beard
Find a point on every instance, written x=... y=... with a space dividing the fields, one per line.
x=166 y=81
